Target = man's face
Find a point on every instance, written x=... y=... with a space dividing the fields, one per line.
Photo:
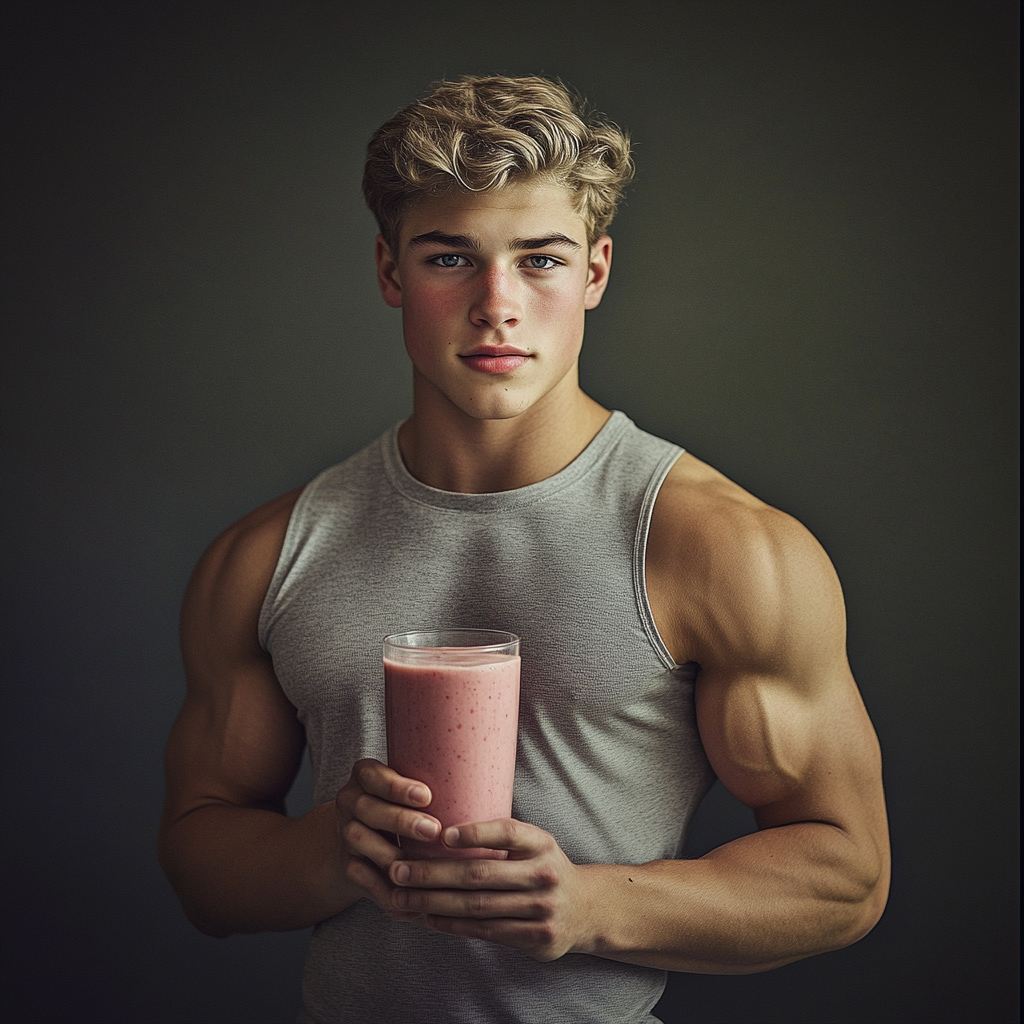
x=493 y=288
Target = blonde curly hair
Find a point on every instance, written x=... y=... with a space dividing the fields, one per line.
x=479 y=134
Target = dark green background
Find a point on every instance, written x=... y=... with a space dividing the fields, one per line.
x=814 y=290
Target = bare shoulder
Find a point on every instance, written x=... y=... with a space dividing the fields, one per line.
x=731 y=577
x=226 y=592
x=236 y=740
x=700 y=511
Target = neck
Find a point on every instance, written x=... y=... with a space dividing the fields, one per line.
x=447 y=449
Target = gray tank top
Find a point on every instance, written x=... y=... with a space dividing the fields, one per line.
x=609 y=760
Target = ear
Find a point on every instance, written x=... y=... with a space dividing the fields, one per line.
x=598 y=271
x=388 y=281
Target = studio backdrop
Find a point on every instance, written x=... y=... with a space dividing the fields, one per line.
x=813 y=289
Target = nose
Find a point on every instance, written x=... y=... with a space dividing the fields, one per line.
x=496 y=303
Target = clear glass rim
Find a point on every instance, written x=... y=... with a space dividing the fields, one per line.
x=461 y=639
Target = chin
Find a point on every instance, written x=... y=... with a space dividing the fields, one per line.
x=503 y=411
x=505 y=405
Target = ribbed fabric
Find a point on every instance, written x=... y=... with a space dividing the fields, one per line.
x=609 y=761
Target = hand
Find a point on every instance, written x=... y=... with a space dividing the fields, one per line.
x=532 y=901
x=377 y=799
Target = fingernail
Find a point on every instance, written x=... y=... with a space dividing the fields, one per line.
x=402 y=873
x=418 y=795
x=427 y=829
x=451 y=836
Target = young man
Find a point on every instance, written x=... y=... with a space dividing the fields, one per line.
x=674 y=628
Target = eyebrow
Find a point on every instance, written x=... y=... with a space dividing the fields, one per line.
x=473 y=244
x=440 y=238
x=547 y=242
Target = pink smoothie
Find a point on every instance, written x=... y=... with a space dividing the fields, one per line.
x=454 y=727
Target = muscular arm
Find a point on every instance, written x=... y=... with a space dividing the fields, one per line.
x=747 y=593
x=236 y=860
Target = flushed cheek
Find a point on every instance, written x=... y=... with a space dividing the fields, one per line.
x=430 y=319
x=436 y=319
x=425 y=305
x=560 y=319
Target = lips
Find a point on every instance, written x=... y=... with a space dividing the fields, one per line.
x=499 y=359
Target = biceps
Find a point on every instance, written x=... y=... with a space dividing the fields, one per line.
x=239 y=745
x=763 y=731
x=773 y=745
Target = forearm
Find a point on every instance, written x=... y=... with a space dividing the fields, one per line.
x=248 y=870
x=753 y=904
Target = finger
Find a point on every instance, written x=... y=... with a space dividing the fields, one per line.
x=368 y=878
x=384 y=782
x=479 y=905
x=376 y=887
x=518 y=838
x=471 y=873
x=387 y=817
x=363 y=841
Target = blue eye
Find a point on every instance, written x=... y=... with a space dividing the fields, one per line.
x=540 y=262
x=448 y=259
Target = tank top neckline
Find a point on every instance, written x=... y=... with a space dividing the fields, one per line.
x=415 y=490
